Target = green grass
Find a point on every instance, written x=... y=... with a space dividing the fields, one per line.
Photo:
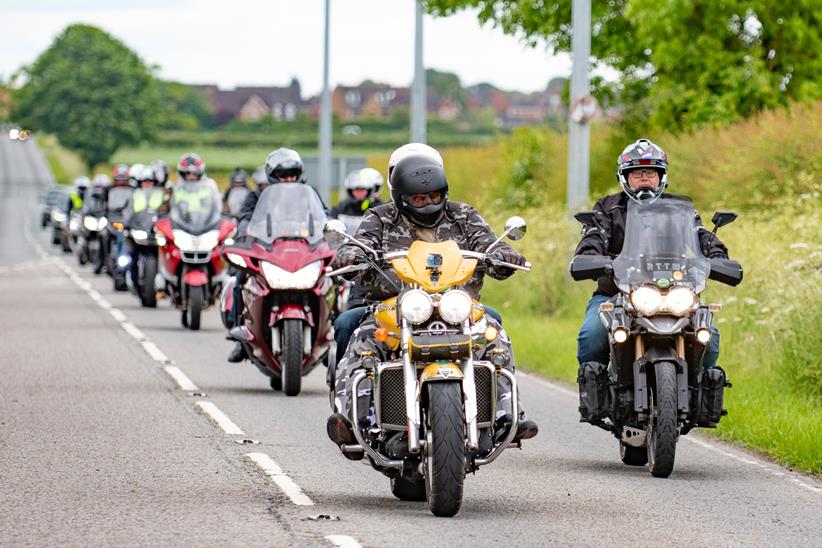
x=64 y=164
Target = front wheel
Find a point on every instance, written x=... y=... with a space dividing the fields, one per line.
x=291 y=358
x=195 y=307
x=445 y=449
x=148 y=296
x=662 y=445
x=633 y=456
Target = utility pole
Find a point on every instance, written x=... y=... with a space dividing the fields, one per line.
x=582 y=106
x=418 y=88
x=324 y=182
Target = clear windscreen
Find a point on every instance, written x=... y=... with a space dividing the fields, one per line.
x=288 y=210
x=236 y=198
x=661 y=243
x=195 y=207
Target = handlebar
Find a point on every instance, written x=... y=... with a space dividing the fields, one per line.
x=388 y=257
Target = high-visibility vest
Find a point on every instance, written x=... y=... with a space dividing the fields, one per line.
x=198 y=200
x=141 y=199
x=76 y=201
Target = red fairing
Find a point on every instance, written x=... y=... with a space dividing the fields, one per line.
x=290 y=312
x=226 y=228
x=293 y=255
x=164 y=227
x=195 y=277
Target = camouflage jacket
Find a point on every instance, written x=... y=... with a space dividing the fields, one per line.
x=384 y=228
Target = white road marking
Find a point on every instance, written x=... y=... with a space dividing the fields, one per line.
x=343 y=541
x=132 y=330
x=117 y=314
x=181 y=379
x=220 y=418
x=285 y=483
x=155 y=353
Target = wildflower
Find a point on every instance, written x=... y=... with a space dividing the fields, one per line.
x=751 y=301
x=799 y=245
x=796 y=263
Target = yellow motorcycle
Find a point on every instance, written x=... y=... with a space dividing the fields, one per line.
x=434 y=401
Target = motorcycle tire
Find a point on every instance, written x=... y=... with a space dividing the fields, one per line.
x=409 y=490
x=276 y=384
x=82 y=256
x=184 y=318
x=148 y=295
x=445 y=454
x=120 y=283
x=633 y=456
x=291 y=358
x=195 y=307
x=99 y=261
x=55 y=238
x=662 y=445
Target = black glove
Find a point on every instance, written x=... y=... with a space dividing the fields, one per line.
x=348 y=256
x=507 y=255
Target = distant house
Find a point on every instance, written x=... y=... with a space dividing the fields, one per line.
x=253 y=103
x=513 y=108
x=376 y=100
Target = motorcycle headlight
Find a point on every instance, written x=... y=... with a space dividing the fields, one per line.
x=646 y=299
x=237 y=260
x=680 y=300
x=102 y=223
x=58 y=216
x=455 y=306
x=73 y=225
x=416 y=306
x=139 y=235
x=187 y=242
x=304 y=278
x=90 y=223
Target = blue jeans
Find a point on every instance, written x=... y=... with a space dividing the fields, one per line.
x=592 y=341
x=348 y=321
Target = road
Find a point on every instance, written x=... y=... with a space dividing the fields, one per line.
x=106 y=439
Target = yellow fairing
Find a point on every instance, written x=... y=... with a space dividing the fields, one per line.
x=451 y=268
x=386 y=316
x=441 y=371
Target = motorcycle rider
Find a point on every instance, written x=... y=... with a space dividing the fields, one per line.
x=78 y=195
x=420 y=210
x=237 y=180
x=149 y=195
x=642 y=172
x=283 y=165
x=363 y=188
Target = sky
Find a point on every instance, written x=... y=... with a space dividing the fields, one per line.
x=245 y=42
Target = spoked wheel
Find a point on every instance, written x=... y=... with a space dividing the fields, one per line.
x=663 y=435
x=633 y=456
x=445 y=449
x=195 y=307
x=148 y=295
x=292 y=356
x=405 y=489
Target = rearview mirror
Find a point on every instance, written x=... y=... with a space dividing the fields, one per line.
x=334 y=232
x=587 y=217
x=515 y=228
x=722 y=218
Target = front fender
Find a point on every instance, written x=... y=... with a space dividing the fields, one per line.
x=442 y=371
x=195 y=278
x=290 y=312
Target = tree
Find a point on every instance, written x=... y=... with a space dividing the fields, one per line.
x=183 y=107
x=681 y=63
x=91 y=91
x=446 y=85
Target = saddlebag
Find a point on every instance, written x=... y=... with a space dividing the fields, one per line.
x=594 y=394
x=713 y=387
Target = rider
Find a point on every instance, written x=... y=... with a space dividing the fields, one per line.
x=642 y=171
x=237 y=179
x=283 y=165
x=78 y=195
x=420 y=210
x=363 y=188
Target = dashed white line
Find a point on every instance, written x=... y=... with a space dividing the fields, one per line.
x=286 y=484
x=117 y=314
x=155 y=353
x=181 y=379
x=132 y=330
x=343 y=541
x=222 y=420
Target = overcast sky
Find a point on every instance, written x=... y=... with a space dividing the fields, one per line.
x=245 y=42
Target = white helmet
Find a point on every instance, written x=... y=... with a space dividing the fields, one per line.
x=415 y=149
x=134 y=173
x=367 y=178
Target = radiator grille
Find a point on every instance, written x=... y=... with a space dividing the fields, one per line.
x=483 y=379
x=392 y=397
x=196 y=257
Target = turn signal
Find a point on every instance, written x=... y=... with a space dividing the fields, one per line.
x=703 y=335
x=715 y=307
x=381 y=334
x=490 y=333
x=620 y=334
x=606 y=307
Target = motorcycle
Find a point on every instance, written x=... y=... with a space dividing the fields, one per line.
x=94 y=222
x=190 y=262
x=60 y=227
x=432 y=417
x=287 y=298
x=143 y=243
x=654 y=387
x=114 y=244
x=235 y=200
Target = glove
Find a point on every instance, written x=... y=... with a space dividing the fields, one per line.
x=507 y=255
x=348 y=256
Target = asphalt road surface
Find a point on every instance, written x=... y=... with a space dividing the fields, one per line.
x=119 y=427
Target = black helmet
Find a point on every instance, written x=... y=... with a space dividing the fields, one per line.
x=238 y=177
x=283 y=162
x=642 y=154
x=420 y=174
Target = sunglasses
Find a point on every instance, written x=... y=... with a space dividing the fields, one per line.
x=420 y=200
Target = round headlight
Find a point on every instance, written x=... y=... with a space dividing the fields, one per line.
x=646 y=299
x=455 y=306
x=416 y=306
x=680 y=300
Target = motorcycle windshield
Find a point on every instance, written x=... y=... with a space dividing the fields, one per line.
x=95 y=206
x=288 y=210
x=236 y=198
x=661 y=247
x=195 y=207
x=118 y=199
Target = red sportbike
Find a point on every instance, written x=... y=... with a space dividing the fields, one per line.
x=190 y=261
x=287 y=300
